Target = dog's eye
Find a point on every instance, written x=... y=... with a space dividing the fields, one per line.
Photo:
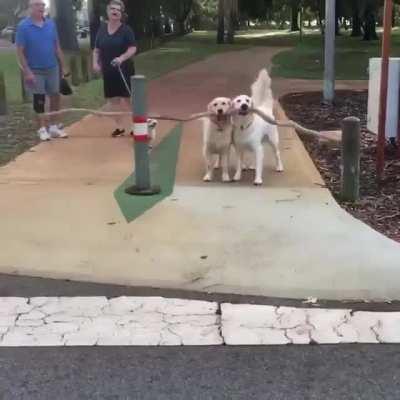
x=238 y=101
x=215 y=104
x=224 y=104
x=247 y=101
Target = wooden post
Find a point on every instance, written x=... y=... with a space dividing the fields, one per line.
x=85 y=67
x=75 y=80
x=3 y=97
x=351 y=136
x=387 y=30
x=329 y=71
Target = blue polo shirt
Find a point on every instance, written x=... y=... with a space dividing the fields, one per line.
x=39 y=43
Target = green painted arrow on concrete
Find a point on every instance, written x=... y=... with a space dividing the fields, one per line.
x=163 y=160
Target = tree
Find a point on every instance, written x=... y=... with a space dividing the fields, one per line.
x=65 y=17
x=221 y=22
x=295 y=7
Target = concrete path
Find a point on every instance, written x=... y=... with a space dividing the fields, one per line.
x=289 y=238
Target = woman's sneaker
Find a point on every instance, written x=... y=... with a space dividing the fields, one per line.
x=56 y=132
x=43 y=134
x=118 y=132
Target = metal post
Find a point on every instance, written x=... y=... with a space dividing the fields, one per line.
x=387 y=30
x=329 y=72
x=141 y=138
x=351 y=133
x=3 y=97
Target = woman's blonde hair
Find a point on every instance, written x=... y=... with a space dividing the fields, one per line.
x=117 y=3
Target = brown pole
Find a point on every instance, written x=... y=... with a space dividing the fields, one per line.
x=387 y=30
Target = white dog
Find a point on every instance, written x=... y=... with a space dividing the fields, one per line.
x=250 y=131
x=152 y=129
x=217 y=137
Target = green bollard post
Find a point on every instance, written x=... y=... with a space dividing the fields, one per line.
x=143 y=185
x=3 y=96
x=351 y=132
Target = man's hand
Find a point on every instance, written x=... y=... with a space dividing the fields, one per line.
x=29 y=78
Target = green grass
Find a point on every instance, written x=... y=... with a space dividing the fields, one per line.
x=306 y=59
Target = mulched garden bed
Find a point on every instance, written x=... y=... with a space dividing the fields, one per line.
x=379 y=204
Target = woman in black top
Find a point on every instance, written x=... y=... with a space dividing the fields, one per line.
x=115 y=46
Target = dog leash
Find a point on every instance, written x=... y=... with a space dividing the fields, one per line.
x=117 y=65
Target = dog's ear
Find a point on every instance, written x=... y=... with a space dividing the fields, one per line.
x=210 y=106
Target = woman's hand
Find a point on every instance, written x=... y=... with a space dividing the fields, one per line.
x=117 y=61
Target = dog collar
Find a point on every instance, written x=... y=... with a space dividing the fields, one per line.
x=243 y=127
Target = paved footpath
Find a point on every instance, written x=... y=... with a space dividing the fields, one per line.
x=63 y=216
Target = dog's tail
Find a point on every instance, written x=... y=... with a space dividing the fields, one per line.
x=261 y=92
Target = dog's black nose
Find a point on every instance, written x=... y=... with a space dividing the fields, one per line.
x=220 y=111
x=244 y=107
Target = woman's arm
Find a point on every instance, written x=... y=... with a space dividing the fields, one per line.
x=127 y=55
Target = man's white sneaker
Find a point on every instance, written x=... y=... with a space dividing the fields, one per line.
x=56 y=132
x=43 y=134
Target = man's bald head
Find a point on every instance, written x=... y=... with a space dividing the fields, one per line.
x=37 y=8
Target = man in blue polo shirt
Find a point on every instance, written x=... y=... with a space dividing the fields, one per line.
x=42 y=61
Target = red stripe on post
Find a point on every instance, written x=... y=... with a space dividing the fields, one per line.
x=141 y=138
x=139 y=119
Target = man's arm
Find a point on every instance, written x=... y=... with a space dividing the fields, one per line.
x=28 y=74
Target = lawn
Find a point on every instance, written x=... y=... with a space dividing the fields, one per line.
x=306 y=59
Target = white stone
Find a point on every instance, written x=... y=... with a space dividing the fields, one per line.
x=34 y=314
x=299 y=335
x=40 y=301
x=79 y=339
x=124 y=305
x=247 y=315
x=7 y=320
x=359 y=327
x=325 y=323
x=388 y=328
x=290 y=318
x=14 y=305
x=189 y=307
x=22 y=336
x=76 y=306
x=64 y=317
x=29 y=322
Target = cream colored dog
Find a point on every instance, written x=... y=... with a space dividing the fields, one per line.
x=217 y=138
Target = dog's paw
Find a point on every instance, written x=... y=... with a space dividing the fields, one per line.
x=207 y=178
x=279 y=168
x=237 y=178
x=226 y=178
x=258 y=182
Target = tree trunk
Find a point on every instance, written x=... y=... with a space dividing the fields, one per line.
x=356 y=18
x=221 y=22
x=94 y=21
x=231 y=20
x=370 y=26
x=295 y=16
x=66 y=25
